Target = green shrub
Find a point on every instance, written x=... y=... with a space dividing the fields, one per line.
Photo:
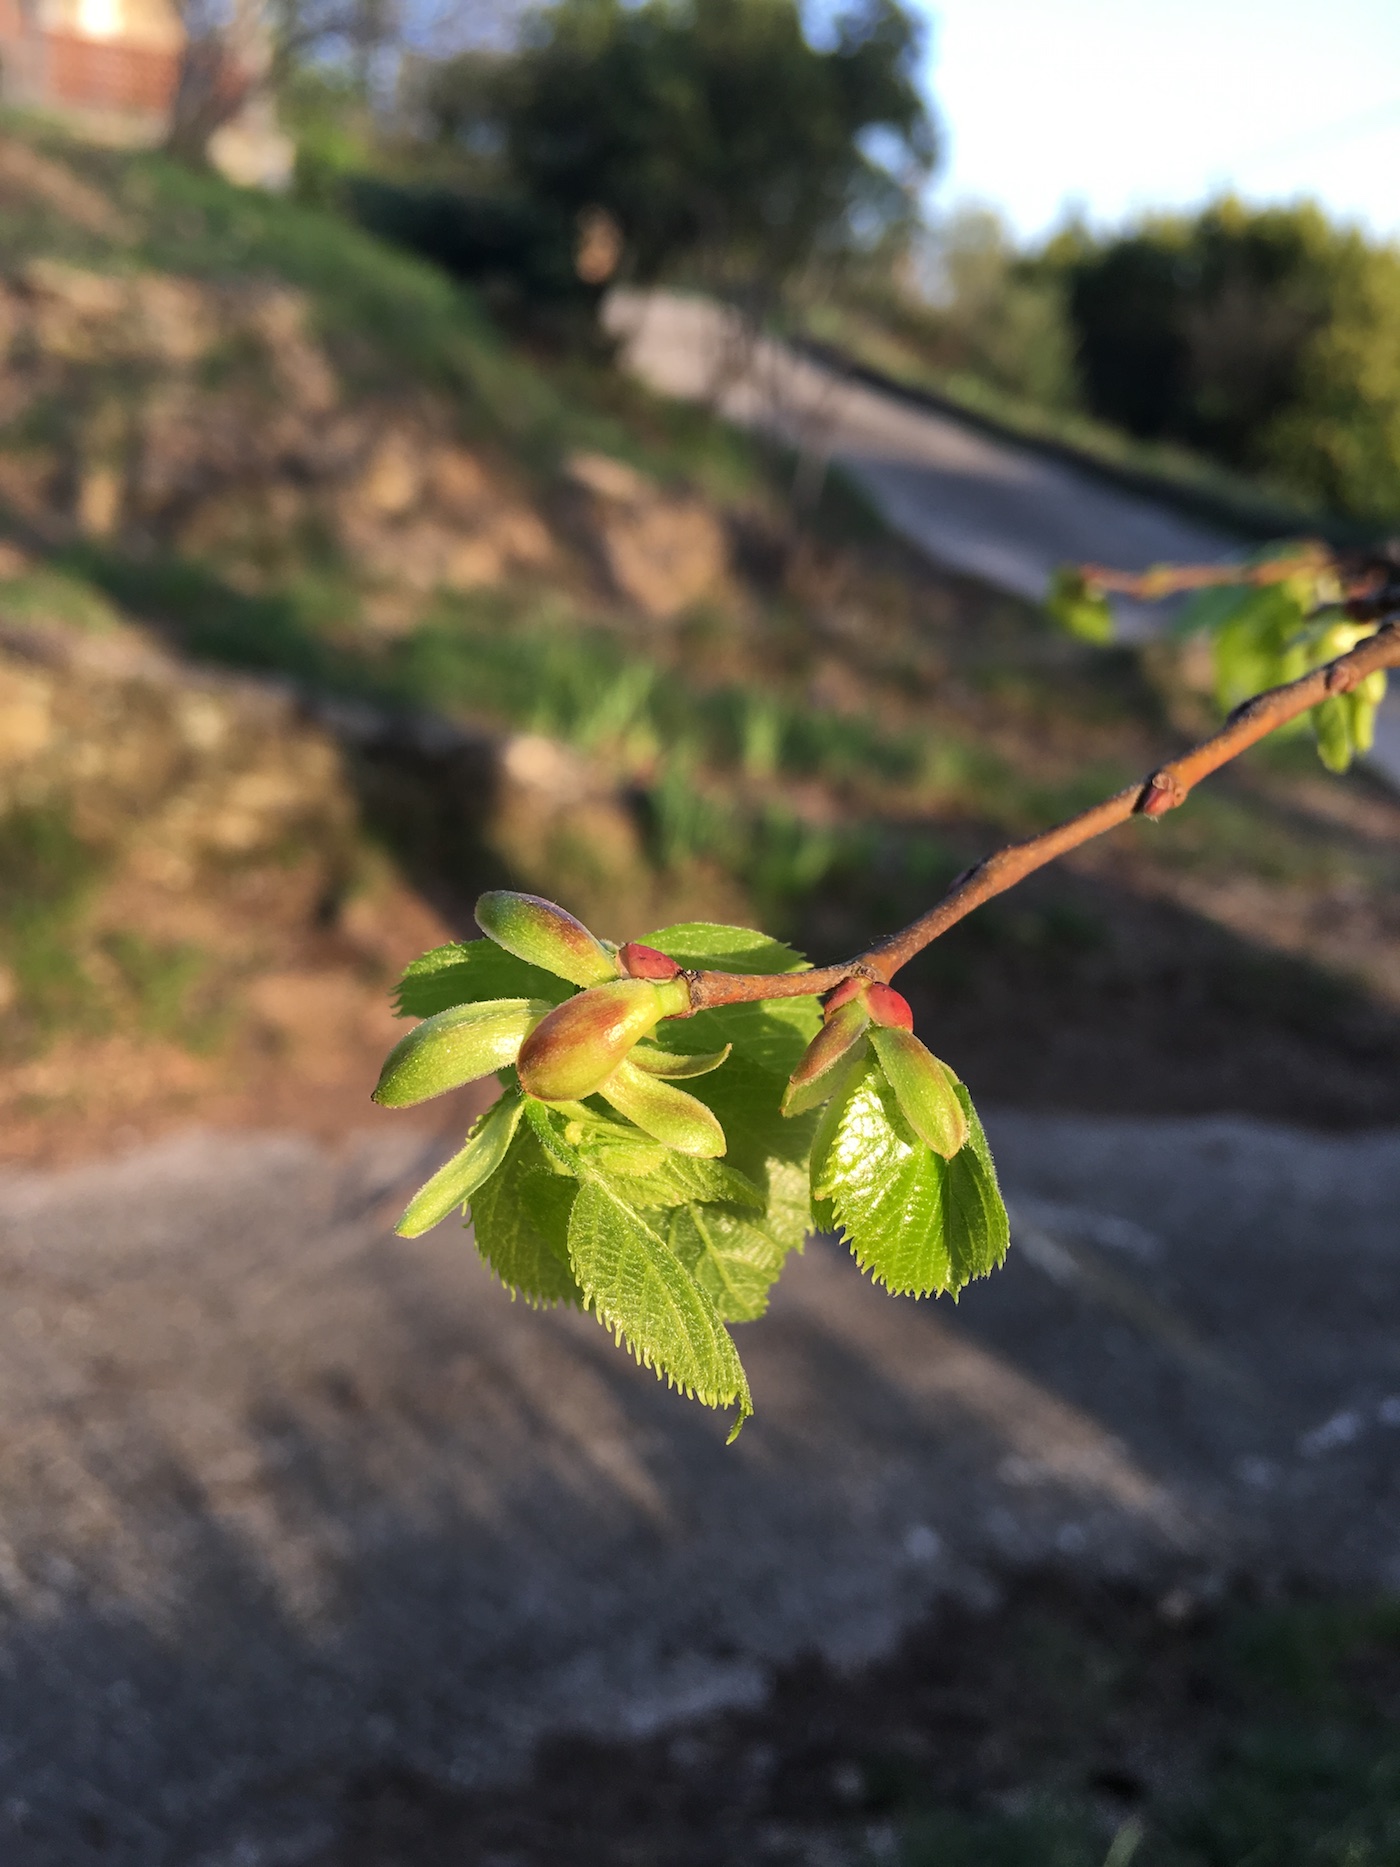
x=1266 y=338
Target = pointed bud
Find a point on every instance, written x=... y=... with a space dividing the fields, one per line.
x=924 y=1089
x=542 y=933
x=644 y=962
x=578 y=1046
x=811 y=1081
x=456 y=1047
x=888 y=1007
x=453 y=1184
x=665 y=1113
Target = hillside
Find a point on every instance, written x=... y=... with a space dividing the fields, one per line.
x=323 y=603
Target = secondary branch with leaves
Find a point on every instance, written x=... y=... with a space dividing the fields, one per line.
x=596 y=1179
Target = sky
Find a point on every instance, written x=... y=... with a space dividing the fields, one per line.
x=1112 y=106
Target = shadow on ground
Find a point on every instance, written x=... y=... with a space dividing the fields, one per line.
x=288 y=1501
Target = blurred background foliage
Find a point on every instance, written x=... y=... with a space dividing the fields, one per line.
x=739 y=147
x=341 y=573
x=368 y=438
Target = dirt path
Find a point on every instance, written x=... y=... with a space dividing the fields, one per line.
x=284 y=1497
x=1004 y=514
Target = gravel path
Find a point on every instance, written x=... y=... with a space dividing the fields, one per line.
x=284 y=1496
x=1004 y=514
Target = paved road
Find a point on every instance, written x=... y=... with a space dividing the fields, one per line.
x=283 y=1496
x=1004 y=514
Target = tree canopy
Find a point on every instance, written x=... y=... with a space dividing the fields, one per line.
x=715 y=132
x=1269 y=338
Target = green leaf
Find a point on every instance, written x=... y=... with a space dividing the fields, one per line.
x=465 y=972
x=453 y=1184
x=979 y=1231
x=1078 y=608
x=709 y=946
x=592 y=1142
x=764 y=1144
x=770 y=1033
x=455 y=1047
x=1259 y=637
x=520 y=1219
x=917 y=1223
x=734 y=1259
x=1362 y=707
x=637 y=1287
x=1332 y=723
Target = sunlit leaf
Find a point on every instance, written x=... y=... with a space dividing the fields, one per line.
x=733 y=1257
x=919 y=1224
x=1331 y=723
x=520 y=1220
x=637 y=1286
x=592 y=1142
x=771 y=1033
x=465 y=972
x=1079 y=609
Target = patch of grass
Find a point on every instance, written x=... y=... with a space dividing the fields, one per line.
x=1041 y=1837
x=57 y=978
x=1296 y=1764
x=160 y=982
x=1221 y=833
x=1309 y=1774
x=51 y=595
x=46 y=877
x=530 y=664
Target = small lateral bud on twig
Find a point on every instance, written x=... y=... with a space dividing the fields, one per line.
x=644 y=962
x=888 y=1007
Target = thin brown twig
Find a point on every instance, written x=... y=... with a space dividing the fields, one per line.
x=1175 y=579
x=1162 y=790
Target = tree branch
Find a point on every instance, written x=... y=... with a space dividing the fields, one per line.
x=1162 y=790
x=1364 y=578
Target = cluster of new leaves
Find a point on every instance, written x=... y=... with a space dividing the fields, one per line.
x=595 y=1179
x=1262 y=634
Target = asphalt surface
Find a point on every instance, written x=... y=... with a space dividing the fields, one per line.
x=1006 y=515
x=285 y=1497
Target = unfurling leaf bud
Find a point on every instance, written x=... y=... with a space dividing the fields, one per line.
x=456 y=1047
x=573 y=1051
x=812 y=1080
x=665 y=1113
x=542 y=933
x=888 y=1007
x=644 y=962
x=1080 y=607
x=453 y=1184
x=658 y=1062
x=923 y=1088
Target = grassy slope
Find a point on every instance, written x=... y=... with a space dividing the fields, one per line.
x=834 y=741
